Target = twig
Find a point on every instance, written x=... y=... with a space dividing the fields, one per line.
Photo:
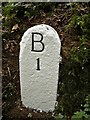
x=9 y=71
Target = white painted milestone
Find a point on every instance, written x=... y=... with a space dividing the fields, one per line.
x=39 y=67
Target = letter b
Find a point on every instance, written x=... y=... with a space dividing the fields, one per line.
x=40 y=41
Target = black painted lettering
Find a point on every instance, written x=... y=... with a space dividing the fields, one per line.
x=40 y=42
x=38 y=64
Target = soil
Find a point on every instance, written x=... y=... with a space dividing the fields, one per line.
x=12 y=106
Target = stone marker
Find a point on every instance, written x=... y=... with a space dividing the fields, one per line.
x=39 y=67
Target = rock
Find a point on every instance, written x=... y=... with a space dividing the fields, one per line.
x=39 y=67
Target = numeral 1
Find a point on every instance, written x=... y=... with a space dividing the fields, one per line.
x=38 y=64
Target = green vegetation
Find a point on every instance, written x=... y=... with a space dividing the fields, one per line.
x=14 y=13
x=74 y=83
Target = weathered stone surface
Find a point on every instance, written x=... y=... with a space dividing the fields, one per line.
x=39 y=67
